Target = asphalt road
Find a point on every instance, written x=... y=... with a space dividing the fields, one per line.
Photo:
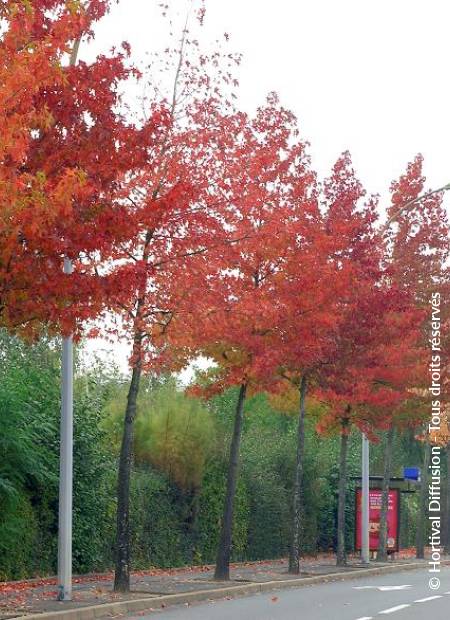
x=358 y=599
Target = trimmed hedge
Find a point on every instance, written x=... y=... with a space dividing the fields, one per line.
x=170 y=526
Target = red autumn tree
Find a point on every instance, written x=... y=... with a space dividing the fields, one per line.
x=417 y=236
x=324 y=277
x=178 y=202
x=236 y=320
x=367 y=379
x=416 y=253
x=380 y=351
x=63 y=147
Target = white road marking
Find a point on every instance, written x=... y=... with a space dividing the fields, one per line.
x=429 y=598
x=392 y=609
x=382 y=588
x=365 y=618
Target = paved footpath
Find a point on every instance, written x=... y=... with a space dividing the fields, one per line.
x=405 y=595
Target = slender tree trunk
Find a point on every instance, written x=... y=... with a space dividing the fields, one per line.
x=222 y=572
x=341 y=556
x=382 y=542
x=294 y=554
x=421 y=521
x=447 y=507
x=122 y=571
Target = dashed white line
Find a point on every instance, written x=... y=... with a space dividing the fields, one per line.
x=429 y=598
x=392 y=609
x=382 y=588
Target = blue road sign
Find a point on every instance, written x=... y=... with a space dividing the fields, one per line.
x=411 y=473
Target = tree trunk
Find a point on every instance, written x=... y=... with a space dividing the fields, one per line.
x=122 y=570
x=421 y=521
x=222 y=572
x=382 y=542
x=294 y=554
x=341 y=557
x=447 y=507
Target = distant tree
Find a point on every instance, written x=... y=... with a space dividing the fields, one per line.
x=335 y=264
x=416 y=255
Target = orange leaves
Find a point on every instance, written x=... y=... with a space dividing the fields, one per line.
x=203 y=229
x=268 y=207
x=380 y=359
x=441 y=437
x=285 y=398
x=64 y=149
x=417 y=237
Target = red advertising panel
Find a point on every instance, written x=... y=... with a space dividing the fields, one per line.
x=393 y=519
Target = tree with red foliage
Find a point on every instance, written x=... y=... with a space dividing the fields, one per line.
x=65 y=150
x=323 y=279
x=179 y=203
x=417 y=253
x=278 y=219
x=342 y=352
x=417 y=237
x=376 y=360
x=380 y=354
x=81 y=181
x=274 y=204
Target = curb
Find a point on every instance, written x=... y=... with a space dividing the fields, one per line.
x=159 y=602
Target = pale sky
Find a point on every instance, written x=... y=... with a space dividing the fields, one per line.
x=368 y=76
x=371 y=77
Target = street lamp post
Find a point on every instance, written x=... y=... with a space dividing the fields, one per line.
x=365 y=501
x=66 y=468
x=66 y=445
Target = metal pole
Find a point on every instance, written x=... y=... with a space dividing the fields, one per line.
x=66 y=468
x=66 y=446
x=365 y=501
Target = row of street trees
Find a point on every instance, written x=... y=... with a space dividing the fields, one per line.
x=205 y=231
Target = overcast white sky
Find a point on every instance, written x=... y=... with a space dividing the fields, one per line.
x=368 y=76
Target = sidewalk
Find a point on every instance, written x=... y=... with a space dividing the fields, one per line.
x=38 y=596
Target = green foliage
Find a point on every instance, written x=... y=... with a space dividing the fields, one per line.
x=29 y=402
x=17 y=522
x=175 y=434
x=267 y=472
x=179 y=474
x=210 y=515
x=29 y=440
x=156 y=523
x=94 y=476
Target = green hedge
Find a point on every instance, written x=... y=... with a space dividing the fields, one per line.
x=170 y=526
